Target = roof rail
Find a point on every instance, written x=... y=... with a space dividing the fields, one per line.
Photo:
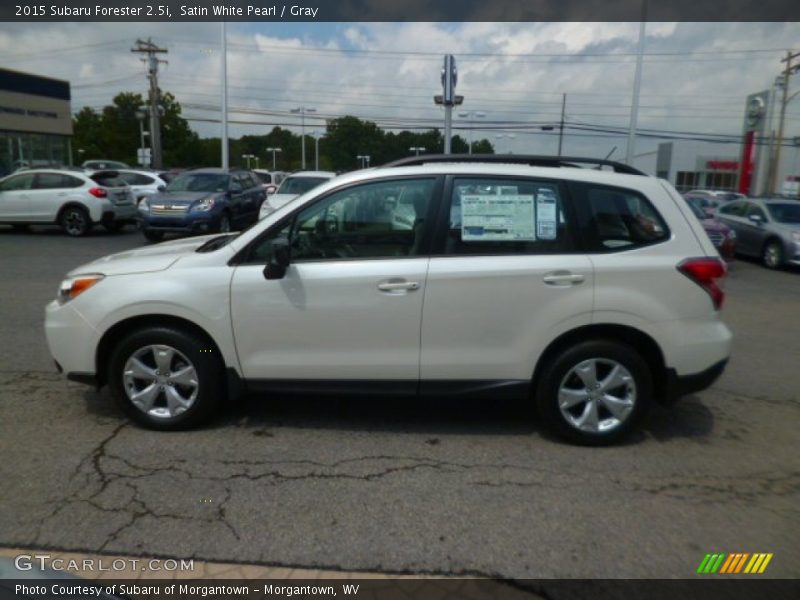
x=520 y=159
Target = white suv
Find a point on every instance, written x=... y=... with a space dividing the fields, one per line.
x=592 y=293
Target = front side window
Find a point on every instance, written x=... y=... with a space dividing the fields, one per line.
x=384 y=219
x=506 y=216
x=785 y=213
x=755 y=210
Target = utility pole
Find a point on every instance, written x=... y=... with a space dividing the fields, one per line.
x=561 y=126
x=152 y=61
x=448 y=99
x=788 y=71
x=302 y=110
x=224 y=116
x=637 y=82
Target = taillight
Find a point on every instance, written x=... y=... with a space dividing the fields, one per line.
x=98 y=192
x=705 y=272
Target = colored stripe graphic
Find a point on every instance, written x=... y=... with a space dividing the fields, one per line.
x=741 y=563
x=765 y=563
x=718 y=562
x=727 y=563
x=730 y=564
x=701 y=568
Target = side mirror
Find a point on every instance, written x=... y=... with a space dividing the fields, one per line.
x=279 y=259
x=161 y=188
x=757 y=219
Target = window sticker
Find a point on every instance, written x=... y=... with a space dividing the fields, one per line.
x=546 y=214
x=494 y=218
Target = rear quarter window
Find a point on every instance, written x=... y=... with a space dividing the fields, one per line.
x=615 y=219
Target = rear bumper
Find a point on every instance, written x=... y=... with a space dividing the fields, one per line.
x=113 y=213
x=682 y=385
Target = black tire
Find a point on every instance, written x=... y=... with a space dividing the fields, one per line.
x=114 y=226
x=772 y=254
x=207 y=365
x=153 y=236
x=225 y=223
x=555 y=373
x=75 y=221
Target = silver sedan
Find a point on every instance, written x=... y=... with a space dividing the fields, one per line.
x=768 y=229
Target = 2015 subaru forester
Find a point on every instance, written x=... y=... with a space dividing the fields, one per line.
x=592 y=293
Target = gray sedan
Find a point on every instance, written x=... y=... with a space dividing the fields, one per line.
x=767 y=229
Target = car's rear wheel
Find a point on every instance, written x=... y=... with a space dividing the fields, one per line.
x=153 y=236
x=594 y=393
x=75 y=221
x=166 y=378
x=772 y=255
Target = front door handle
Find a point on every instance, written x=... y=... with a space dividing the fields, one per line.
x=563 y=278
x=398 y=286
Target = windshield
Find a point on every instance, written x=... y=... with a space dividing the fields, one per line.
x=199 y=182
x=300 y=185
x=785 y=213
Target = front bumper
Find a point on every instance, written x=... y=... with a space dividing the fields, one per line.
x=70 y=338
x=199 y=223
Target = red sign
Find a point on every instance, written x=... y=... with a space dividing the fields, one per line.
x=722 y=165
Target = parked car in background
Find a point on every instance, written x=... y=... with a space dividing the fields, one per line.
x=104 y=164
x=590 y=294
x=293 y=186
x=73 y=200
x=143 y=183
x=765 y=228
x=706 y=204
x=721 y=195
x=270 y=179
x=202 y=201
x=722 y=236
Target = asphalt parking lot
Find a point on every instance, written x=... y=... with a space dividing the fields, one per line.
x=449 y=488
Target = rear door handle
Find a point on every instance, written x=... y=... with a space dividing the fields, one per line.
x=398 y=286
x=563 y=278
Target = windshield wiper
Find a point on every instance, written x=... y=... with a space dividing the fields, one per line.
x=216 y=243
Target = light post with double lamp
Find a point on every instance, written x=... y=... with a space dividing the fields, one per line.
x=274 y=150
x=247 y=157
x=508 y=136
x=364 y=158
x=469 y=115
x=417 y=149
x=302 y=110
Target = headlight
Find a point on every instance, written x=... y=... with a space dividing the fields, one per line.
x=75 y=286
x=204 y=205
x=144 y=205
x=796 y=236
x=731 y=235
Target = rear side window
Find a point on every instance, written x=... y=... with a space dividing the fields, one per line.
x=50 y=181
x=506 y=216
x=136 y=179
x=616 y=219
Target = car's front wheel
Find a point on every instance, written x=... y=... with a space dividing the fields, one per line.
x=594 y=393
x=166 y=378
x=773 y=254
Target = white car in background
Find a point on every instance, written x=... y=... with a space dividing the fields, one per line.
x=293 y=186
x=73 y=200
x=143 y=183
x=270 y=179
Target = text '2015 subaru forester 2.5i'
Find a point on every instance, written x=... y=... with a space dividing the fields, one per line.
x=592 y=293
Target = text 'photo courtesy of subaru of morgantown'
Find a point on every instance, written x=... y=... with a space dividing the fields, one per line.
x=591 y=293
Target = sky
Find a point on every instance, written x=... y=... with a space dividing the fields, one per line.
x=695 y=76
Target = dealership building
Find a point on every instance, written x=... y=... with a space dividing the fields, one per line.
x=35 y=121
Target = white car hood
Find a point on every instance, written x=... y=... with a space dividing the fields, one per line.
x=146 y=259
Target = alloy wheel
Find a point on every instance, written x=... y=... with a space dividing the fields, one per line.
x=597 y=395
x=75 y=222
x=160 y=381
x=772 y=255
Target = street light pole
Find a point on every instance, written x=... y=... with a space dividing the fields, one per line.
x=417 y=149
x=302 y=110
x=274 y=150
x=561 y=125
x=469 y=115
x=224 y=141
